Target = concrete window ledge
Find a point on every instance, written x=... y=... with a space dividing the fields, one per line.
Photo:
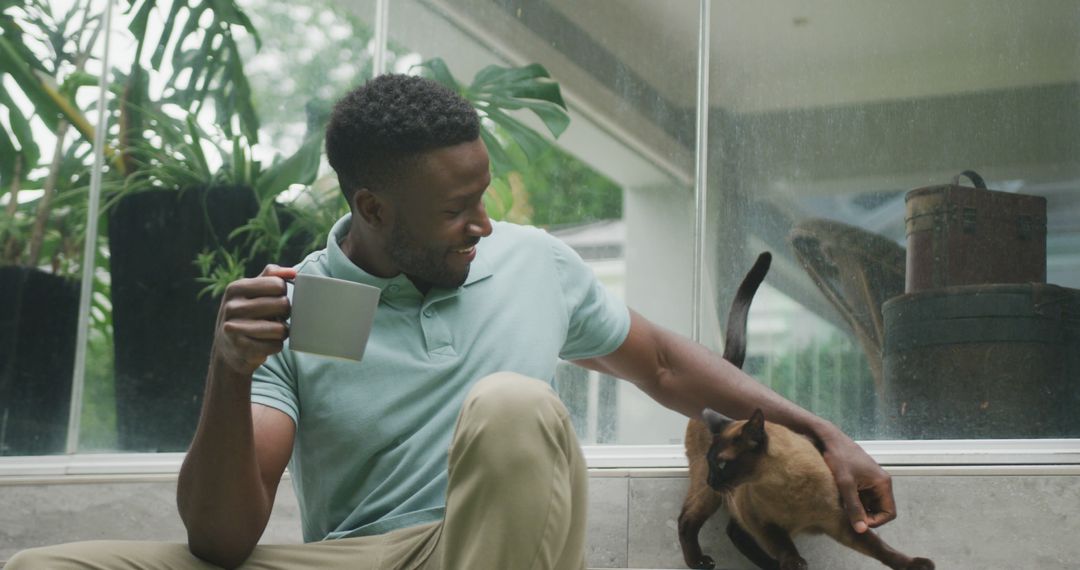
x=981 y=505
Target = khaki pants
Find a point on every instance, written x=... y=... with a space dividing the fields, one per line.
x=516 y=501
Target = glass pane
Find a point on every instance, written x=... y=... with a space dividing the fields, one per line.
x=617 y=184
x=44 y=174
x=221 y=131
x=820 y=128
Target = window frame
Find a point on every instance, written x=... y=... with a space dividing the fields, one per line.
x=1019 y=456
x=1011 y=457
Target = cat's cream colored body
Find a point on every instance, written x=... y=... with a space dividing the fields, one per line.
x=792 y=488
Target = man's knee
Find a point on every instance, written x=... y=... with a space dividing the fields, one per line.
x=42 y=557
x=25 y=559
x=107 y=554
x=514 y=418
x=512 y=400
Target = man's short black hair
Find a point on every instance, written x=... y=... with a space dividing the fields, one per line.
x=377 y=127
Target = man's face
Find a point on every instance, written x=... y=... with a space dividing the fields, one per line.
x=439 y=216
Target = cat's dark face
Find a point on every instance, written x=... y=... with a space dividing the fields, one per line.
x=736 y=449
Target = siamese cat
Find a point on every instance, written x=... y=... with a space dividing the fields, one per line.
x=773 y=482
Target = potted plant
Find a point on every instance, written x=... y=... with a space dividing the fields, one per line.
x=43 y=53
x=190 y=220
x=165 y=192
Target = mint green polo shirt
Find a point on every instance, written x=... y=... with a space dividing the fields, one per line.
x=372 y=437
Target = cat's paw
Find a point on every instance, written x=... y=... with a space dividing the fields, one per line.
x=704 y=563
x=793 y=563
x=921 y=564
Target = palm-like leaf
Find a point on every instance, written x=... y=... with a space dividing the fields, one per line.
x=300 y=168
x=495 y=91
x=529 y=87
x=21 y=133
x=207 y=56
x=43 y=52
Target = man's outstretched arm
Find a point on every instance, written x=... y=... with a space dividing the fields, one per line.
x=686 y=377
x=230 y=476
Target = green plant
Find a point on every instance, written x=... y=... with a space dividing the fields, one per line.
x=829 y=376
x=43 y=54
x=266 y=235
x=558 y=189
x=198 y=40
x=495 y=92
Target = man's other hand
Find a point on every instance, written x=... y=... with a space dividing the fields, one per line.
x=865 y=488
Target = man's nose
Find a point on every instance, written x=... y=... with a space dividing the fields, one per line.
x=480 y=224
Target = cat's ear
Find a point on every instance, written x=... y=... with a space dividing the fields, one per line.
x=716 y=421
x=753 y=431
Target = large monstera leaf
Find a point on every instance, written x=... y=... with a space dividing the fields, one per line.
x=496 y=91
x=204 y=59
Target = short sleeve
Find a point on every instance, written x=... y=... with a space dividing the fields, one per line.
x=274 y=385
x=598 y=321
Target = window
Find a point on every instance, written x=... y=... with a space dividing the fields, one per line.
x=819 y=130
x=213 y=133
x=820 y=120
x=630 y=142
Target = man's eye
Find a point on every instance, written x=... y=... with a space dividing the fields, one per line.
x=453 y=213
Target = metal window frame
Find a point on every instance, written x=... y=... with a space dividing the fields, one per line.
x=1020 y=457
x=937 y=456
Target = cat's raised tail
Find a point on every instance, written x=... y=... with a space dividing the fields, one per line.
x=735 y=337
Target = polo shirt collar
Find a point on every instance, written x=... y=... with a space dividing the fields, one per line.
x=398 y=287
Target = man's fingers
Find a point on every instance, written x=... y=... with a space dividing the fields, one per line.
x=853 y=506
x=883 y=505
x=262 y=286
x=278 y=271
x=259 y=330
x=251 y=320
x=270 y=282
x=261 y=308
x=879 y=518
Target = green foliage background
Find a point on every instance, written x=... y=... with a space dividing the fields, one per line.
x=293 y=81
x=830 y=377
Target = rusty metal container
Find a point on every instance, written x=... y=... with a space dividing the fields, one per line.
x=959 y=235
x=983 y=361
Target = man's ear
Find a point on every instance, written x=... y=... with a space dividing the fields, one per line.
x=369 y=206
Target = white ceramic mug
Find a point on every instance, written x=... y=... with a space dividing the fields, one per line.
x=331 y=317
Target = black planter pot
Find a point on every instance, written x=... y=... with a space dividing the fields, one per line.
x=163 y=330
x=38 y=327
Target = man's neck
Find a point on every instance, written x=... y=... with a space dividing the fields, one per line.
x=364 y=258
x=363 y=255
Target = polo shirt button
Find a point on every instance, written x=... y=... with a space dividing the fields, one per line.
x=429 y=313
x=393 y=288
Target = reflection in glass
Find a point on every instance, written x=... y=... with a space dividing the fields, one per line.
x=818 y=132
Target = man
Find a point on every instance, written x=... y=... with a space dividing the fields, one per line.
x=440 y=449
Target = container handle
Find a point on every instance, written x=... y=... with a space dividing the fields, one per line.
x=971 y=175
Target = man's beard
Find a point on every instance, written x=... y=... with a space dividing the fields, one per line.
x=426 y=264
